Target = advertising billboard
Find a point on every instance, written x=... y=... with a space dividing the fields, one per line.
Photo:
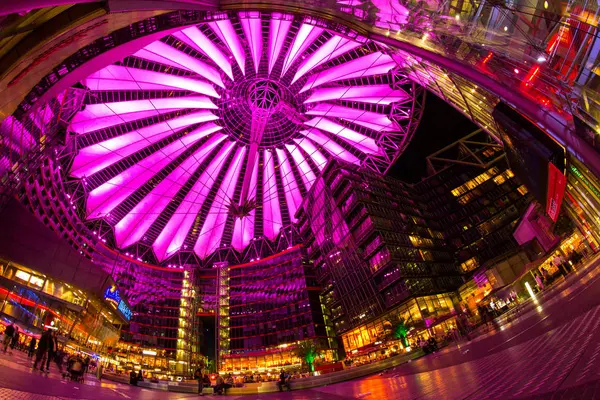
x=536 y=158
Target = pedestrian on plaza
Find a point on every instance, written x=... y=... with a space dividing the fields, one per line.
x=539 y=282
x=559 y=262
x=219 y=385
x=53 y=351
x=575 y=257
x=545 y=276
x=15 y=339
x=59 y=358
x=8 y=335
x=463 y=325
x=485 y=315
x=31 y=347
x=284 y=381
x=198 y=377
x=133 y=378
x=44 y=349
x=140 y=377
x=432 y=344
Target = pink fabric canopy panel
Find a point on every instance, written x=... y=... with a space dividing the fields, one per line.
x=212 y=136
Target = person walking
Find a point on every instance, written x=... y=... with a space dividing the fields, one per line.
x=15 y=340
x=86 y=364
x=284 y=381
x=32 y=345
x=8 y=335
x=133 y=378
x=539 y=282
x=45 y=346
x=559 y=262
x=53 y=352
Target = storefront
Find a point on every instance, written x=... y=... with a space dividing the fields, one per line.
x=571 y=250
x=155 y=362
x=421 y=317
x=270 y=361
x=84 y=320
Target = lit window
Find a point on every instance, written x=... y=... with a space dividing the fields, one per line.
x=523 y=190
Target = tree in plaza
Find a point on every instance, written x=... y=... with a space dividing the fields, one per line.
x=401 y=331
x=308 y=352
x=210 y=365
x=396 y=329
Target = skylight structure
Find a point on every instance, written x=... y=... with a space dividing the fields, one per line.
x=211 y=137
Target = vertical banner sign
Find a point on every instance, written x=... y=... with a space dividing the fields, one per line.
x=557 y=182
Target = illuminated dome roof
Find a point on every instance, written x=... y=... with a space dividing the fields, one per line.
x=212 y=135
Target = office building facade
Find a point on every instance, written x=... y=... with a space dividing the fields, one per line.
x=386 y=251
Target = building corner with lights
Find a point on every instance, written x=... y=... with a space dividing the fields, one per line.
x=388 y=253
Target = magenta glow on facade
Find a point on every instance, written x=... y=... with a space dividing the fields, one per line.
x=335 y=47
x=207 y=138
x=99 y=156
x=332 y=148
x=309 y=147
x=212 y=230
x=361 y=142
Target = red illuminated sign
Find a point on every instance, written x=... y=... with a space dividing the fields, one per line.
x=557 y=183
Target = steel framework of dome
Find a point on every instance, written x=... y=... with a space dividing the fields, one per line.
x=211 y=136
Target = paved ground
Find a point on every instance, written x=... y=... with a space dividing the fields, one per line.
x=551 y=351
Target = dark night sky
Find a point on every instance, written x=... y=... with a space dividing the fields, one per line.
x=440 y=125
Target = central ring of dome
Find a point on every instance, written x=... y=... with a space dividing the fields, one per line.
x=211 y=136
x=261 y=108
x=264 y=95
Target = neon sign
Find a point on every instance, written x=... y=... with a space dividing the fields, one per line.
x=125 y=310
x=113 y=296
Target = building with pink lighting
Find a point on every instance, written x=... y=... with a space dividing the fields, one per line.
x=266 y=308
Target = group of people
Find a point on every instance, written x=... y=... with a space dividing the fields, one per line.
x=284 y=381
x=11 y=338
x=47 y=350
x=135 y=378
x=43 y=351
x=564 y=265
x=429 y=346
x=221 y=384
